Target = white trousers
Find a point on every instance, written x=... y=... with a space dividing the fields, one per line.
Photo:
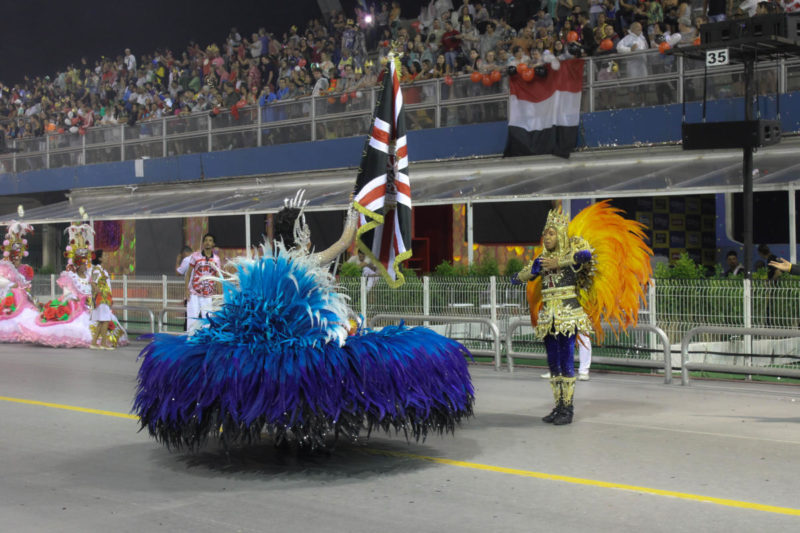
x=197 y=307
x=584 y=353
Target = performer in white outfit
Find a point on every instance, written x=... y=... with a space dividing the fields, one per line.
x=200 y=288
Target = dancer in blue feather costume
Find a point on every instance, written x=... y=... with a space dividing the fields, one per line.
x=281 y=356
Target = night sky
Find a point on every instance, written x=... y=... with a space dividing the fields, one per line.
x=41 y=37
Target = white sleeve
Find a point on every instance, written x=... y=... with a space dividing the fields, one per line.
x=624 y=46
x=184 y=266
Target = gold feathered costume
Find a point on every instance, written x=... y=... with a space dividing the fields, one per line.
x=613 y=286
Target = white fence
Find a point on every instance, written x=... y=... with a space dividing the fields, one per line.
x=674 y=306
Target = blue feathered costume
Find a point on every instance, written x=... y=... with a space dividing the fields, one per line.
x=280 y=356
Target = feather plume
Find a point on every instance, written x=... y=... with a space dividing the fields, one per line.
x=621 y=269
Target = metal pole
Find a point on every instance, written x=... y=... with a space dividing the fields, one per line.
x=426 y=298
x=438 y=114
x=792 y=227
x=163 y=290
x=748 y=320
x=469 y=233
x=258 y=124
x=313 y=118
x=747 y=174
x=47 y=151
x=163 y=137
x=247 y=233
x=590 y=78
x=125 y=298
x=52 y=286
x=362 y=290
x=208 y=127
x=493 y=300
x=122 y=142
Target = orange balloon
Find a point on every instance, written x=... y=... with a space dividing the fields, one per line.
x=527 y=74
x=696 y=41
x=606 y=44
x=663 y=47
x=521 y=68
x=495 y=76
x=572 y=36
x=343 y=98
x=486 y=80
x=331 y=100
x=475 y=76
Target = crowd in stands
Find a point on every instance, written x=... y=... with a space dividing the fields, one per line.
x=343 y=55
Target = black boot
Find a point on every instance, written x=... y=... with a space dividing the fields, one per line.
x=554 y=414
x=564 y=417
x=567 y=392
x=555 y=383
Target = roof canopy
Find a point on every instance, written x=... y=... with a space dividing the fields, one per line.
x=654 y=171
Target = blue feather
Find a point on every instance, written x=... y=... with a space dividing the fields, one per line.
x=269 y=361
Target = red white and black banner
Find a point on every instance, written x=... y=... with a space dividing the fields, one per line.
x=544 y=113
x=382 y=193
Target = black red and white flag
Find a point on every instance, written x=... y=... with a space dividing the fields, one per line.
x=544 y=113
x=382 y=193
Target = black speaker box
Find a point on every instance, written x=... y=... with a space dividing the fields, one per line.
x=732 y=134
x=782 y=25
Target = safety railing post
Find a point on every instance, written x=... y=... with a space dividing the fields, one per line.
x=590 y=82
x=259 y=133
x=52 y=286
x=426 y=298
x=362 y=291
x=163 y=290
x=122 y=142
x=47 y=151
x=83 y=149
x=651 y=313
x=125 y=297
x=313 y=118
x=208 y=128
x=163 y=137
x=438 y=115
x=748 y=320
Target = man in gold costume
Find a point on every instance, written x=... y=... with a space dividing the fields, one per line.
x=565 y=266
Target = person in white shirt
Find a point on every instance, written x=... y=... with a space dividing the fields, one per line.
x=634 y=42
x=130 y=60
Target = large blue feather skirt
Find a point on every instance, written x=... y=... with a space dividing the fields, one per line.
x=277 y=358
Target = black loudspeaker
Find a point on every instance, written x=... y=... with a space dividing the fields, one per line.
x=760 y=26
x=733 y=134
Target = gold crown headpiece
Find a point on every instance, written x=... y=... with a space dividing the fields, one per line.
x=81 y=239
x=15 y=242
x=556 y=219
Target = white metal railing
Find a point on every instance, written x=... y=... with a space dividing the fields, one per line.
x=610 y=82
x=676 y=307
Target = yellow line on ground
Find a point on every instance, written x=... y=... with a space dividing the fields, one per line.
x=486 y=468
x=70 y=408
x=590 y=482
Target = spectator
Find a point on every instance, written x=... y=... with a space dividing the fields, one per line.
x=768 y=257
x=734 y=267
x=321 y=83
x=634 y=42
x=130 y=61
x=451 y=43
